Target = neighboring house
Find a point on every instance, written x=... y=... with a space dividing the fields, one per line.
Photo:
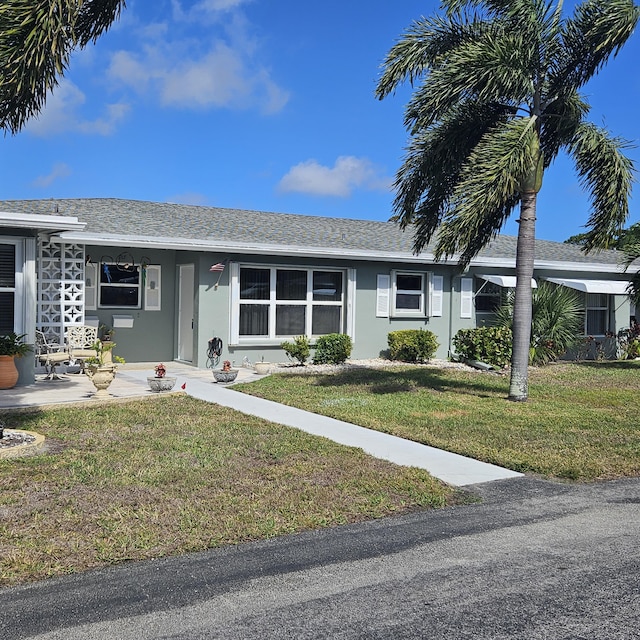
x=169 y=277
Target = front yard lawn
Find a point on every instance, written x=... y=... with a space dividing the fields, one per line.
x=582 y=421
x=164 y=476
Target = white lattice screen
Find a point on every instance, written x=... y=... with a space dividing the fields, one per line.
x=60 y=288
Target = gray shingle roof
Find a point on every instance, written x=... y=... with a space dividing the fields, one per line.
x=143 y=220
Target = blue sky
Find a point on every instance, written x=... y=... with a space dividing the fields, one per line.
x=260 y=104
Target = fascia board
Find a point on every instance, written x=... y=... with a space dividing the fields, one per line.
x=226 y=246
x=42 y=223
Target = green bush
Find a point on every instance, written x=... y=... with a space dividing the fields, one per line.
x=485 y=344
x=334 y=348
x=557 y=321
x=412 y=345
x=298 y=350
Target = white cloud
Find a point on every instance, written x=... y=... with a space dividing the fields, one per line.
x=219 y=78
x=204 y=8
x=61 y=114
x=347 y=174
x=59 y=170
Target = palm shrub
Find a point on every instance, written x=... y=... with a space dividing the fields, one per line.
x=298 y=350
x=557 y=321
x=334 y=348
x=412 y=345
x=485 y=344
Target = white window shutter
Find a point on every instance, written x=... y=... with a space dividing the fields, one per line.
x=466 y=297
x=234 y=283
x=437 y=283
x=351 y=304
x=382 y=295
x=90 y=286
x=152 y=288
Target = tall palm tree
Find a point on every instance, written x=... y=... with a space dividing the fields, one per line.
x=36 y=41
x=497 y=99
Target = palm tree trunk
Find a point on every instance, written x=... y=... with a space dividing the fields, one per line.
x=519 y=387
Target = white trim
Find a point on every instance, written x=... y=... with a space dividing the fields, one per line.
x=508 y=282
x=466 y=297
x=36 y=221
x=90 y=286
x=152 y=276
x=351 y=304
x=383 y=295
x=610 y=287
x=436 y=295
x=218 y=246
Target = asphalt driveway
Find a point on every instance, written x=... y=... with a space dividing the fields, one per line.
x=534 y=560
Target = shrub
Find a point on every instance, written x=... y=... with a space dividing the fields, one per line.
x=334 y=348
x=557 y=320
x=486 y=344
x=298 y=350
x=412 y=345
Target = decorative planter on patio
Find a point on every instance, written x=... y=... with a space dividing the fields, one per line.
x=158 y=385
x=221 y=375
x=101 y=376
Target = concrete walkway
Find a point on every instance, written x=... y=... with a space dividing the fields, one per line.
x=449 y=467
x=131 y=381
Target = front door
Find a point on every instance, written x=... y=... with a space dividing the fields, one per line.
x=185 y=312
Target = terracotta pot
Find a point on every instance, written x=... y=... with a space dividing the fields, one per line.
x=101 y=376
x=8 y=372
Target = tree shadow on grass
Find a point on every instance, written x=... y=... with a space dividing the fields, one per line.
x=628 y=365
x=398 y=380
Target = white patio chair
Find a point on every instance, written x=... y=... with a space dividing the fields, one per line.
x=79 y=341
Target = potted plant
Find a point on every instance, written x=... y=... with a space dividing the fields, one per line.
x=102 y=368
x=12 y=346
x=262 y=367
x=226 y=374
x=161 y=382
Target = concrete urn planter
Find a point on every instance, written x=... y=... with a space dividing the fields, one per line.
x=102 y=376
x=262 y=368
x=157 y=385
x=225 y=376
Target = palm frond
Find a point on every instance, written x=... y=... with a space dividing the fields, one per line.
x=419 y=49
x=596 y=31
x=427 y=178
x=560 y=121
x=36 y=41
x=607 y=174
x=488 y=189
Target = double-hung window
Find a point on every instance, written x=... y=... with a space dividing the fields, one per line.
x=279 y=302
x=408 y=294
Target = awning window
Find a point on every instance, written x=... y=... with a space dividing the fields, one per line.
x=611 y=287
x=508 y=282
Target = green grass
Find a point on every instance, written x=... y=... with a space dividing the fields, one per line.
x=580 y=423
x=145 y=479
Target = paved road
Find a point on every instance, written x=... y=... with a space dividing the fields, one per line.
x=536 y=560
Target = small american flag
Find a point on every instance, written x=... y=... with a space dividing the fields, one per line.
x=219 y=266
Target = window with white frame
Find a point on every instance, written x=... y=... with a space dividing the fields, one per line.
x=408 y=293
x=597 y=314
x=119 y=286
x=281 y=302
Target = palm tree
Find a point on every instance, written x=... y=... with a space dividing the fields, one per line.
x=631 y=252
x=36 y=41
x=497 y=99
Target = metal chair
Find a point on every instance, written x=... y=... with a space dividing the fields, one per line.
x=80 y=341
x=50 y=354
